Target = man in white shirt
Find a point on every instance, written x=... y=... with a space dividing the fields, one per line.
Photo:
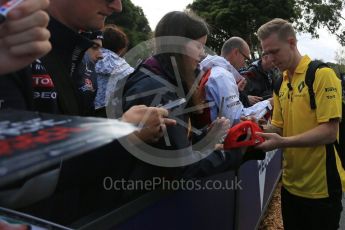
x=222 y=83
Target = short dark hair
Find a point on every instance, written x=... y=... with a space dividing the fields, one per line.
x=183 y=24
x=114 y=39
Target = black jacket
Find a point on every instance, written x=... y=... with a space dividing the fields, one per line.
x=162 y=85
x=64 y=65
x=259 y=82
x=16 y=90
x=54 y=83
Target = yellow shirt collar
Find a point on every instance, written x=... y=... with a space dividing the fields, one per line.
x=301 y=67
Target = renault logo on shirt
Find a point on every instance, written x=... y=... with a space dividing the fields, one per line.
x=301 y=86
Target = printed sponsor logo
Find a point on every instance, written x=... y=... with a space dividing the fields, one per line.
x=45 y=95
x=88 y=86
x=262 y=166
x=301 y=86
x=31 y=140
x=8 y=128
x=42 y=81
x=236 y=103
x=23 y=135
x=231 y=97
x=330 y=89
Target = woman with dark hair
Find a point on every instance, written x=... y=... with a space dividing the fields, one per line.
x=169 y=75
x=115 y=39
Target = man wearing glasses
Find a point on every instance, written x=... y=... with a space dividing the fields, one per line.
x=221 y=88
x=237 y=52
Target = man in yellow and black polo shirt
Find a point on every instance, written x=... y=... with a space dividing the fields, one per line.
x=313 y=178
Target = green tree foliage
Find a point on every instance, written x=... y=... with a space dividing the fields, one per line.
x=340 y=56
x=315 y=14
x=339 y=66
x=243 y=17
x=133 y=21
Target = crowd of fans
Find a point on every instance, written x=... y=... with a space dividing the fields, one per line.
x=68 y=43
